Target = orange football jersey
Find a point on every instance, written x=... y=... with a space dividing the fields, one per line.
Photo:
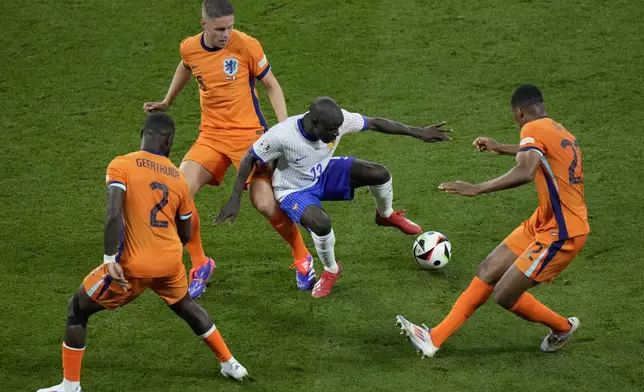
x=562 y=211
x=156 y=194
x=226 y=77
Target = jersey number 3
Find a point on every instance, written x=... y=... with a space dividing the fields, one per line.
x=159 y=206
x=572 y=178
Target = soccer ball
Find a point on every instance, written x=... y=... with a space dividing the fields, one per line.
x=432 y=250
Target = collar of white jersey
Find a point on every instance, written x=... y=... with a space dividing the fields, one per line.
x=300 y=126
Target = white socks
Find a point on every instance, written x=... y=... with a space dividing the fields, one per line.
x=325 y=246
x=384 y=196
x=71 y=386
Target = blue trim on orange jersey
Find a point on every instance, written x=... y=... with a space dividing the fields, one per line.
x=556 y=204
x=264 y=72
x=207 y=48
x=258 y=110
x=552 y=252
x=531 y=148
x=155 y=152
x=366 y=120
x=186 y=66
x=257 y=156
x=108 y=282
x=115 y=182
x=300 y=126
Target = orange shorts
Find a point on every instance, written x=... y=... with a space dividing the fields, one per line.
x=99 y=286
x=540 y=259
x=216 y=156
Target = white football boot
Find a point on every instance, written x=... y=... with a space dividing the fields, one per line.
x=418 y=336
x=65 y=386
x=554 y=342
x=234 y=369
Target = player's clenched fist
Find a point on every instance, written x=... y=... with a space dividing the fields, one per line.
x=484 y=143
x=150 y=107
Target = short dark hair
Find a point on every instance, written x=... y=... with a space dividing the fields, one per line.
x=217 y=8
x=158 y=123
x=526 y=95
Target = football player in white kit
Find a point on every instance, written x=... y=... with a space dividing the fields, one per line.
x=306 y=173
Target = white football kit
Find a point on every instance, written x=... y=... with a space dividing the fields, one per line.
x=302 y=160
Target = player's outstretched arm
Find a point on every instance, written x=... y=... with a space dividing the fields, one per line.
x=112 y=234
x=523 y=173
x=276 y=95
x=230 y=210
x=181 y=77
x=432 y=133
x=484 y=143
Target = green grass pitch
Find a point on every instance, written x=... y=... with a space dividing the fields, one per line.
x=74 y=78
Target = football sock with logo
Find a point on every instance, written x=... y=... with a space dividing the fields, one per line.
x=213 y=339
x=384 y=196
x=325 y=247
x=530 y=309
x=472 y=298
x=290 y=233
x=72 y=361
x=195 y=247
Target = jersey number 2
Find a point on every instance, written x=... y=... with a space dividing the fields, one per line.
x=572 y=178
x=159 y=206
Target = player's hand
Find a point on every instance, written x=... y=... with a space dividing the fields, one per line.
x=115 y=271
x=460 y=188
x=484 y=143
x=150 y=107
x=228 y=211
x=434 y=133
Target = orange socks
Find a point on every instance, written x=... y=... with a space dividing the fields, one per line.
x=216 y=343
x=474 y=296
x=72 y=360
x=290 y=233
x=195 y=248
x=528 y=308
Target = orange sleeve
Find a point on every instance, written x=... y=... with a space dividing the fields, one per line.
x=532 y=139
x=257 y=62
x=185 y=205
x=117 y=173
x=184 y=53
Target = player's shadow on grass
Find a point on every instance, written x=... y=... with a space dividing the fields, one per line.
x=506 y=349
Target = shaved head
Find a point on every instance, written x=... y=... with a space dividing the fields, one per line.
x=326 y=118
x=158 y=124
x=157 y=133
x=324 y=110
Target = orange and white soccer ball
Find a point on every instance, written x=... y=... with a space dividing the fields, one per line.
x=432 y=250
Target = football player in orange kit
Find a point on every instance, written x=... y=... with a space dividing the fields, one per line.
x=147 y=223
x=226 y=63
x=541 y=247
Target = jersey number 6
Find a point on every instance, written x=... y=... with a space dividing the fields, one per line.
x=159 y=206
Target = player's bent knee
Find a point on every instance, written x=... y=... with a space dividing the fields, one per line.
x=318 y=221
x=264 y=203
x=490 y=271
x=380 y=173
x=76 y=316
x=504 y=297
